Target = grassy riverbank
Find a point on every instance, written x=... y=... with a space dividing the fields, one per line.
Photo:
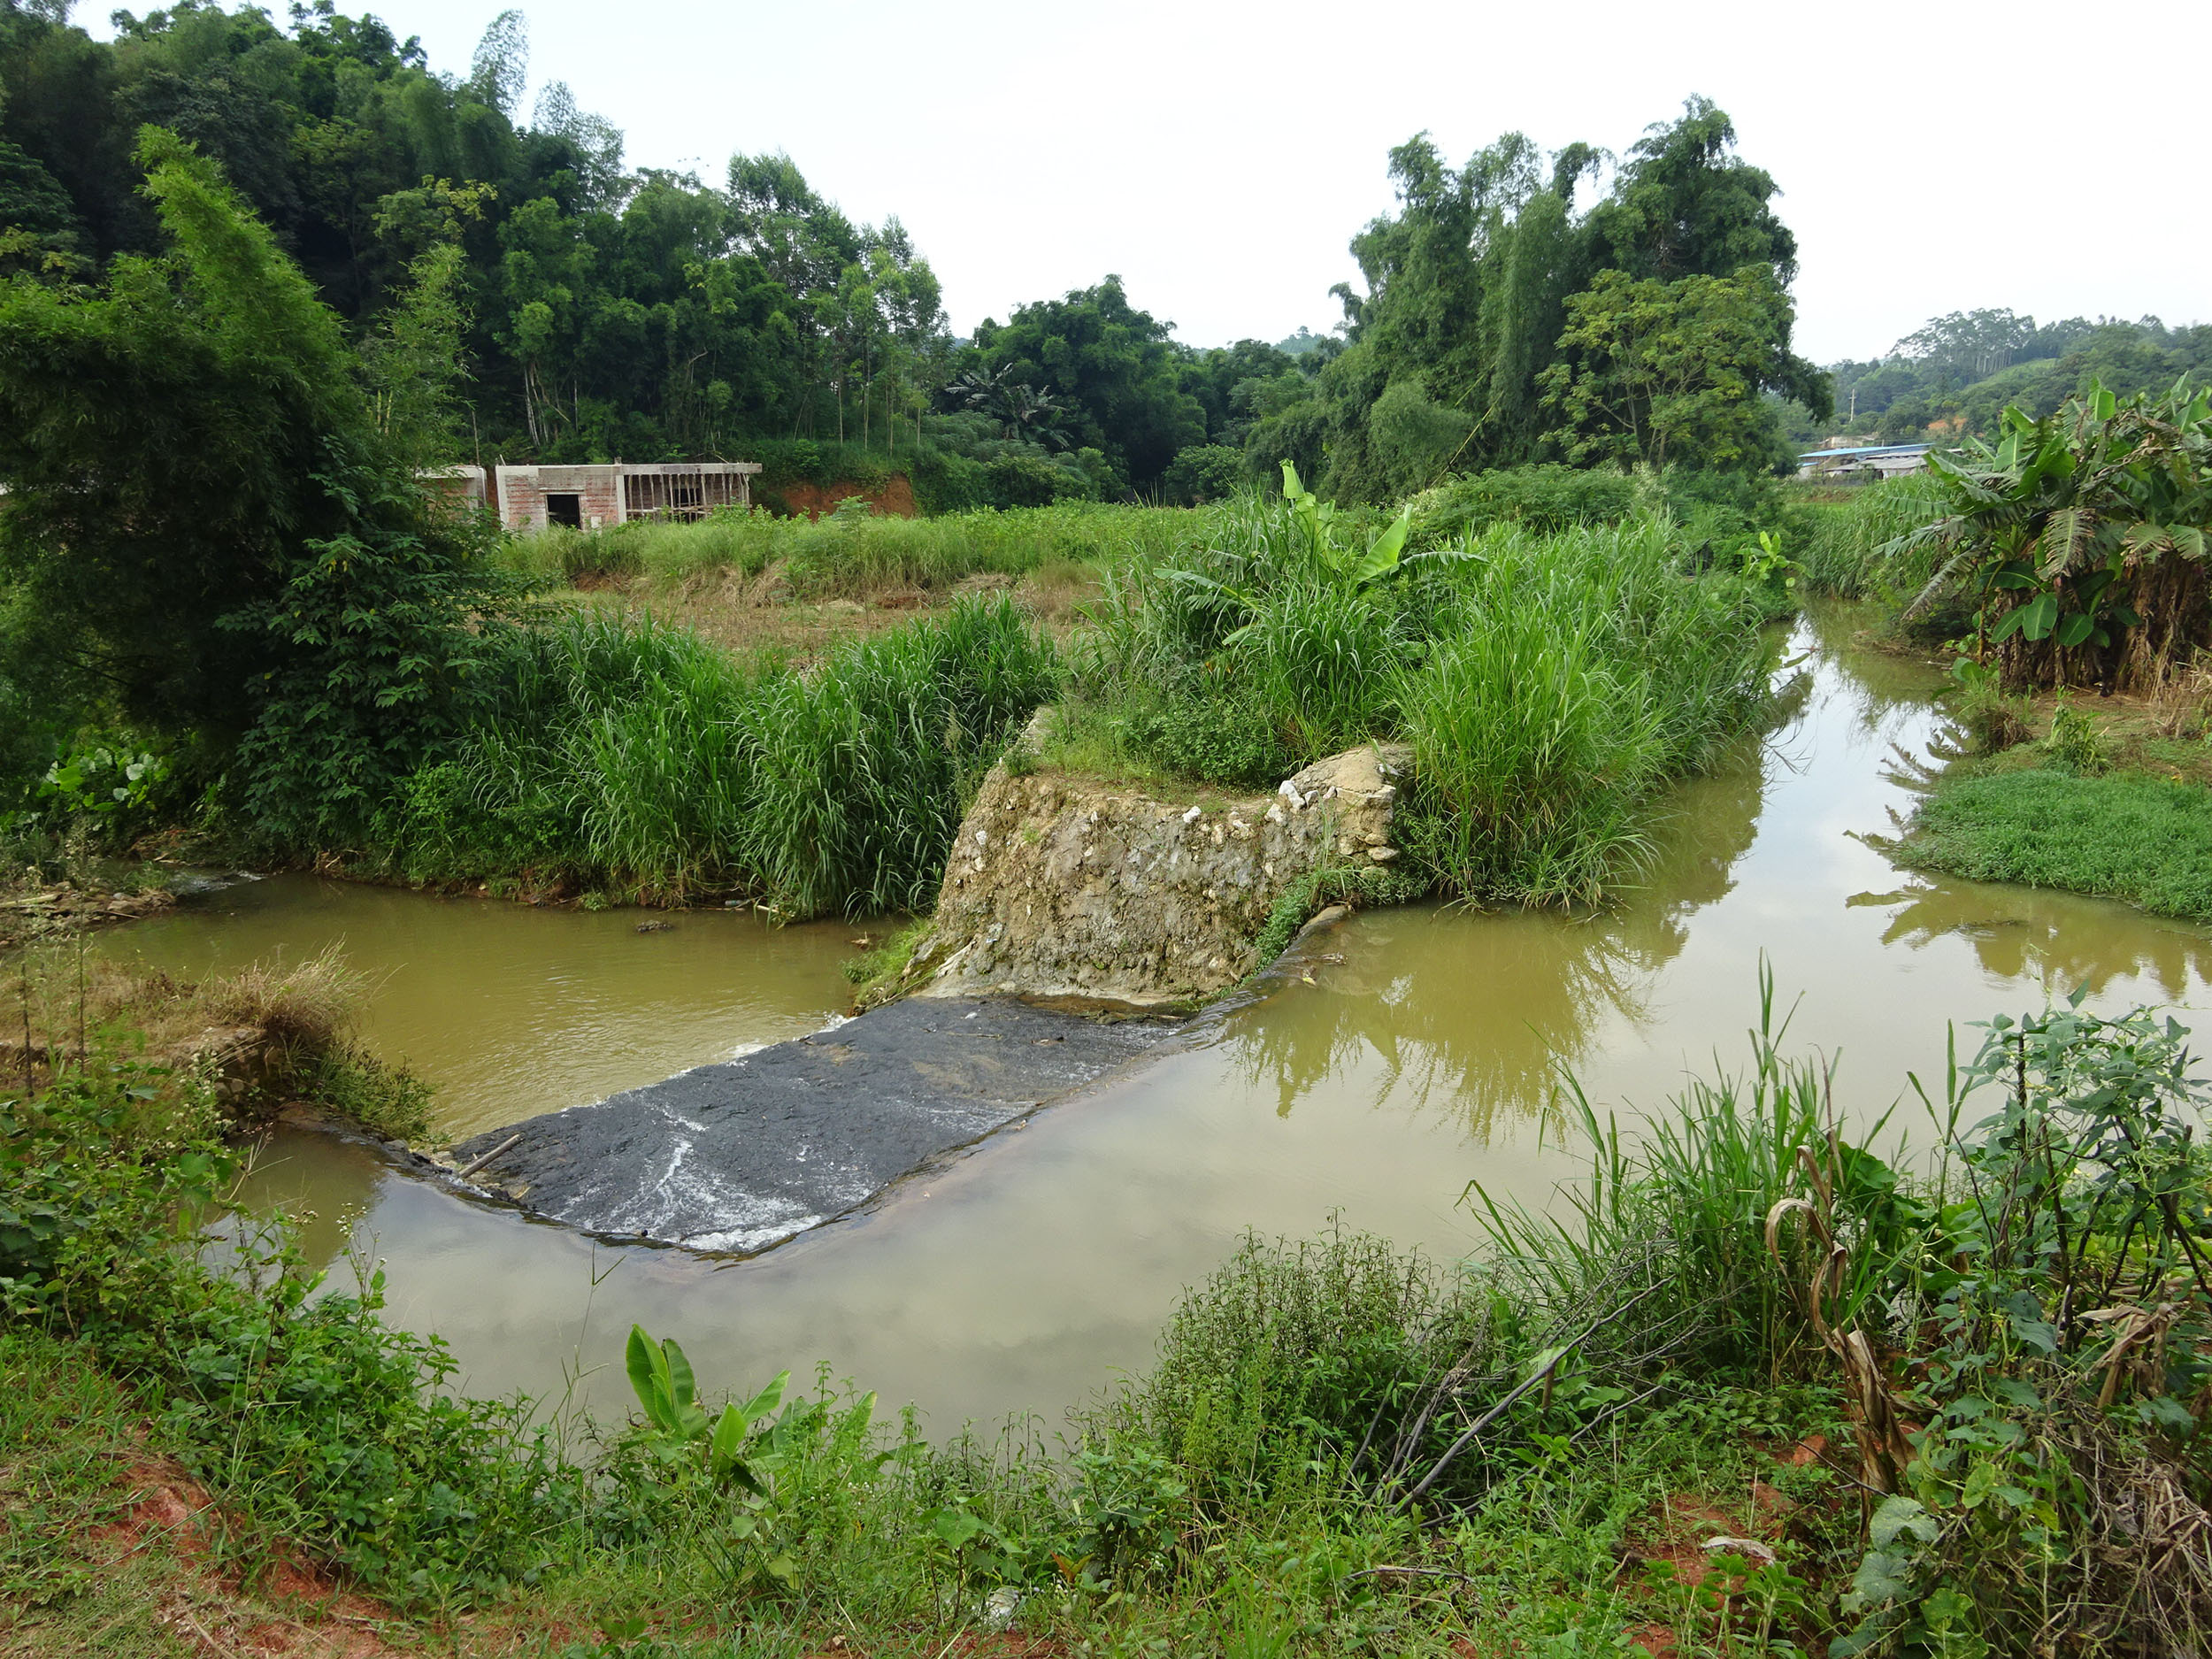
x=2116 y=802
x=1549 y=685
x=2096 y=790
x=1546 y=682
x=1629 y=1425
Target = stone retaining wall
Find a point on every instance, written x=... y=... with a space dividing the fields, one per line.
x=1060 y=886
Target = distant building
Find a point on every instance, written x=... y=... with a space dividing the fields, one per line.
x=1864 y=462
x=592 y=498
x=466 y=484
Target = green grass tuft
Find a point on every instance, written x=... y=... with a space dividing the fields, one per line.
x=2124 y=835
x=624 y=754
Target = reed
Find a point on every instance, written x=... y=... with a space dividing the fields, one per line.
x=1550 y=683
x=1846 y=554
x=1573 y=675
x=627 y=754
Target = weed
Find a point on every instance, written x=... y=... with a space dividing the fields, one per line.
x=2074 y=744
x=1849 y=552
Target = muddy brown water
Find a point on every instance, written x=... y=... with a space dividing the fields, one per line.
x=1027 y=1275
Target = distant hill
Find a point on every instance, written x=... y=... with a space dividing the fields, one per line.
x=1958 y=373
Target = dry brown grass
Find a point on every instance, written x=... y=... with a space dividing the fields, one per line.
x=2181 y=704
x=745 y=614
x=262 y=1029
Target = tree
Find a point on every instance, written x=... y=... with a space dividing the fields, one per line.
x=206 y=516
x=500 y=70
x=1117 y=368
x=1465 y=314
x=1672 y=372
x=1686 y=206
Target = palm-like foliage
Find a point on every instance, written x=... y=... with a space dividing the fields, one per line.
x=1018 y=409
x=2082 y=536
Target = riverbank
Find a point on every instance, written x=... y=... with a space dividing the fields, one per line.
x=1625 y=1432
x=2110 y=798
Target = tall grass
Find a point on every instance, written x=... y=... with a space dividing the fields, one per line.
x=1845 y=556
x=1578 y=672
x=1696 y=1180
x=853 y=552
x=1548 y=683
x=625 y=752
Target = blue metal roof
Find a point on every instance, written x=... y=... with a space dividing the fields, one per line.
x=1870 y=449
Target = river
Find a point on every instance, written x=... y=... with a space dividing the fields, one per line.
x=1369 y=1092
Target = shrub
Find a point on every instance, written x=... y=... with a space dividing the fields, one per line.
x=1530 y=752
x=1204 y=472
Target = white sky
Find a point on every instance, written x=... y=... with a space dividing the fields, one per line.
x=1220 y=155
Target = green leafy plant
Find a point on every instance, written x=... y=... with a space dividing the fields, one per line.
x=661 y=1378
x=2079 y=534
x=103 y=780
x=2075 y=740
x=2056 y=1329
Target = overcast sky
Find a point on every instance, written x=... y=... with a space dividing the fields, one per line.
x=1219 y=157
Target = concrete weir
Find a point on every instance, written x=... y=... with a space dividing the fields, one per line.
x=743 y=1155
x=1059 y=889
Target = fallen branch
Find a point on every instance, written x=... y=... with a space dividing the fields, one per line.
x=478 y=1164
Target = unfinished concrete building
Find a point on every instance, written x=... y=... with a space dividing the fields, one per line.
x=614 y=492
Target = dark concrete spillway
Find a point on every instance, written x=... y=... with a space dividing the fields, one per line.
x=740 y=1155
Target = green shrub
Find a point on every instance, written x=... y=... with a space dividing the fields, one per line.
x=1204 y=472
x=1291 y=1349
x=315 y=1420
x=1207 y=736
x=1530 y=752
x=1582 y=671
x=1319 y=657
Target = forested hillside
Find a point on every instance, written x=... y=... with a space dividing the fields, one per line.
x=1956 y=374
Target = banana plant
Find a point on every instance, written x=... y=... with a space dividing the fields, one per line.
x=2060 y=519
x=1317 y=520
x=662 y=1379
x=1316 y=523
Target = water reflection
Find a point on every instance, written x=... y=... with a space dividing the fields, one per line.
x=1021 y=1276
x=303 y=1176
x=1472 y=1013
x=2051 y=939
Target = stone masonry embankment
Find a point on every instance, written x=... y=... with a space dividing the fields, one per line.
x=1063 y=887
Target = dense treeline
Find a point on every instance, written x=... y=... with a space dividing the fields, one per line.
x=1957 y=374
x=613 y=311
x=645 y=313
x=1501 y=327
x=609 y=311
